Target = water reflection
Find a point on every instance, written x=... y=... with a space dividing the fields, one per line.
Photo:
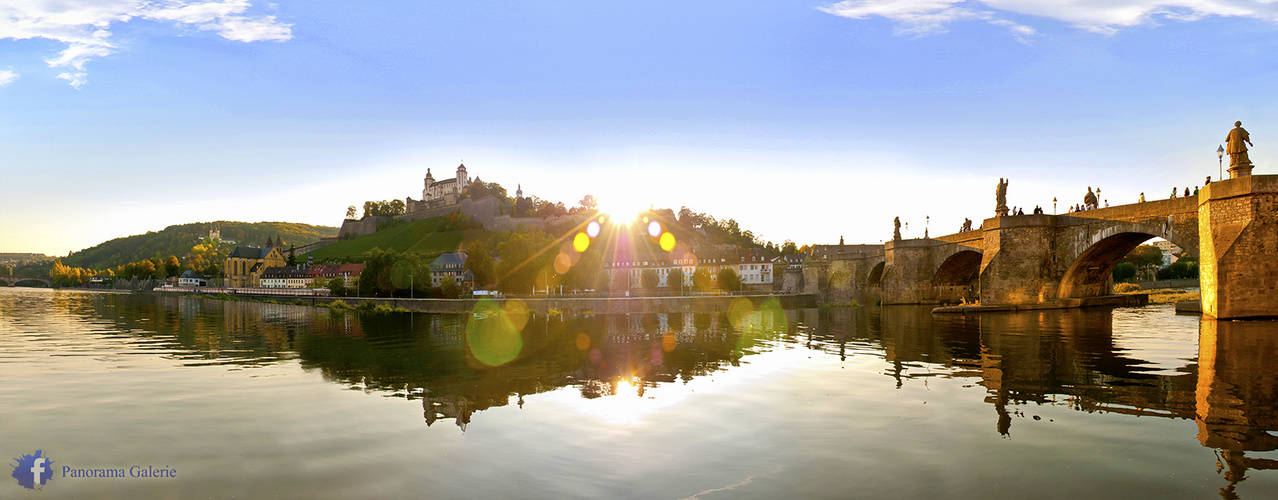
x=1237 y=396
x=1220 y=374
x=1072 y=359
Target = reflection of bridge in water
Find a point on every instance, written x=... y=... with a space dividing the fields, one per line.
x=1232 y=226
x=1070 y=358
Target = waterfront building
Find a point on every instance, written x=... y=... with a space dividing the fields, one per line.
x=348 y=272
x=451 y=265
x=625 y=270
x=286 y=277
x=191 y=278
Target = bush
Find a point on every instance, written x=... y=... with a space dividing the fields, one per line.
x=1124 y=271
x=1179 y=270
x=1126 y=288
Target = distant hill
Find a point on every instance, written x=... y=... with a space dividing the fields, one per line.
x=179 y=239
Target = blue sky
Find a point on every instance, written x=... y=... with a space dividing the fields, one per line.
x=803 y=120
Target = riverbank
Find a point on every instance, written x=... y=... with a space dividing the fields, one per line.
x=1122 y=300
x=546 y=305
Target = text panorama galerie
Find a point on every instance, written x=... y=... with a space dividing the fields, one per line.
x=137 y=471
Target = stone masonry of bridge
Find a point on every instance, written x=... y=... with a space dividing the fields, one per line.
x=1037 y=259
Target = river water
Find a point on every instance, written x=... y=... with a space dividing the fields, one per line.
x=244 y=400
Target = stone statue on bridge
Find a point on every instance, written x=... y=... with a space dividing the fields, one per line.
x=896 y=232
x=1236 y=143
x=1089 y=199
x=1000 y=194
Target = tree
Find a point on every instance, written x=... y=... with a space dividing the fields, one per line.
x=589 y=202
x=523 y=259
x=450 y=288
x=337 y=286
x=370 y=209
x=1145 y=256
x=649 y=279
x=674 y=280
x=524 y=207
x=1183 y=268
x=171 y=266
x=702 y=280
x=728 y=280
x=397 y=207
x=292 y=257
x=479 y=263
x=788 y=248
x=1124 y=271
x=350 y=212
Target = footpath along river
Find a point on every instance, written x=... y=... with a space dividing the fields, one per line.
x=245 y=400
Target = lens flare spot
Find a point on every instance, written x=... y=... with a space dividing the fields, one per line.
x=654 y=229
x=668 y=342
x=490 y=336
x=517 y=311
x=592 y=229
x=596 y=356
x=667 y=242
x=562 y=263
x=581 y=242
x=739 y=311
x=583 y=341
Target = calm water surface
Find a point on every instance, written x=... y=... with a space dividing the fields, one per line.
x=262 y=400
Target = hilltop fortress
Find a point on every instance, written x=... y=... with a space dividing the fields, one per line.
x=448 y=196
x=440 y=193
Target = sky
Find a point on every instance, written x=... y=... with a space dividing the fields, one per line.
x=804 y=120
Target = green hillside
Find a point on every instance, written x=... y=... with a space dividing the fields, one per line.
x=179 y=240
x=425 y=236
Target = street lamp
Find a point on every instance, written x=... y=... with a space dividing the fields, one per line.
x=1053 y=205
x=1220 y=162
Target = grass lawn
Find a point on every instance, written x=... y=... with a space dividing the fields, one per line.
x=419 y=236
x=1168 y=296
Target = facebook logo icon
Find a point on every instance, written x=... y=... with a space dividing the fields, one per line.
x=33 y=471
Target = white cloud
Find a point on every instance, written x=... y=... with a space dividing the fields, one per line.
x=7 y=76
x=83 y=26
x=1100 y=16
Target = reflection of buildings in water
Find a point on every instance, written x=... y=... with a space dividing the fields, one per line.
x=1237 y=395
x=455 y=407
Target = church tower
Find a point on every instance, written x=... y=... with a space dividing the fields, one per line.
x=426 y=190
x=519 y=191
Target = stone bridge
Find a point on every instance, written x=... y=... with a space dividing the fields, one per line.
x=1231 y=226
x=14 y=280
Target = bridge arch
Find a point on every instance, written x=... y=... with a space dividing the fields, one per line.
x=959 y=269
x=1090 y=272
x=954 y=278
x=875 y=278
x=19 y=281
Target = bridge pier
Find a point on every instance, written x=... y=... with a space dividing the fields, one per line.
x=907 y=273
x=1238 y=230
x=1018 y=265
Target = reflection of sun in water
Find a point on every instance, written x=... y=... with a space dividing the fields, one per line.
x=626 y=406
